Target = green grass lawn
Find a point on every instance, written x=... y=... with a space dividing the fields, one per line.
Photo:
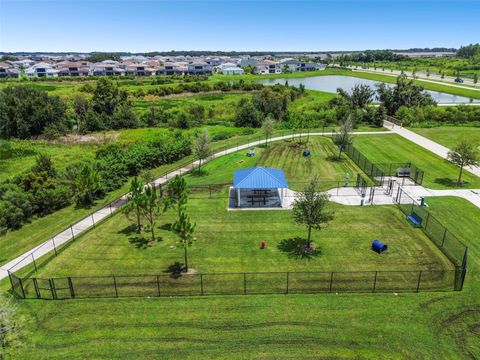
x=450 y=136
x=15 y=243
x=224 y=244
x=439 y=173
x=347 y=326
x=288 y=156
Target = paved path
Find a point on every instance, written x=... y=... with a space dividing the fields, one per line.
x=428 y=144
x=396 y=73
x=90 y=221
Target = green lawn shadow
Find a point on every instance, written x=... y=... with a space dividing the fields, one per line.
x=294 y=248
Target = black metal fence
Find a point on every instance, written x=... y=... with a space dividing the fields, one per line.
x=378 y=172
x=246 y=283
x=212 y=191
x=447 y=242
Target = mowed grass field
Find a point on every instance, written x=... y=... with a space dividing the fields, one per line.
x=450 y=136
x=14 y=243
x=337 y=326
x=288 y=156
x=228 y=241
x=392 y=148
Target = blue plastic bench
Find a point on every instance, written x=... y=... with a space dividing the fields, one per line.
x=415 y=219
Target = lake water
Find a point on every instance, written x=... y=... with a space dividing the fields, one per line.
x=330 y=83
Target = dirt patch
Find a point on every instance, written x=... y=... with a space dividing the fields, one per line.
x=88 y=138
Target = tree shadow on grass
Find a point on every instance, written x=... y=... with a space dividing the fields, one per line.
x=129 y=230
x=335 y=158
x=296 y=248
x=167 y=226
x=450 y=182
x=175 y=270
x=199 y=173
x=141 y=242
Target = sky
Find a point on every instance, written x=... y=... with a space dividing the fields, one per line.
x=142 y=26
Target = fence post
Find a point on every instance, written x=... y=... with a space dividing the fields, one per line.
x=286 y=292
x=52 y=288
x=244 y=283
x=34 y=264
x=70 y=285
x=331 y=281
x=115 y=285
x=10 y=278
x=73 y=235
x=375 y=282
x=54 y=246
x=201 y=283
x=37 y=290
x=418 y=281
x=444 y=236
x=426 y=221
x=21 y=287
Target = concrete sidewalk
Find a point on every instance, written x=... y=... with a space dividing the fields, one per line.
x=428 y=144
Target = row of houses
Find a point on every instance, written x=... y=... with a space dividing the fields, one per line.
x=145 y=66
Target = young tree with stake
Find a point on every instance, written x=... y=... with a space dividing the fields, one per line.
x=184 y=228
x=201 y=147
x=267 y=127
x=136 y=199
x=310 y=209
x=344 y=137
x=464 y=154
x=177 y=193
x=150 y=208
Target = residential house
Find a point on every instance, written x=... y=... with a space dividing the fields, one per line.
x=268 y=67
x=9 y=70
x=41 y=69
x=171 y=68
x=199 y=68
x=77 y=68
x=293 y=65
x=232 y=70
x=140 y=70
x=107 y=68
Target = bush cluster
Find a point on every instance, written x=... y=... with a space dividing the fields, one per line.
x=435 y=116
x=199 y=86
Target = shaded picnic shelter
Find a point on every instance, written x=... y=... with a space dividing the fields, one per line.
x=259 y=187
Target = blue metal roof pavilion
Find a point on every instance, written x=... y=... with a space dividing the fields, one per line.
x=259 y=177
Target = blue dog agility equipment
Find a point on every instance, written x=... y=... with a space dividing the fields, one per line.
x=379 y=247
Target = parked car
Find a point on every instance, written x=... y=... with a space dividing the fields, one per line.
x=458 y=80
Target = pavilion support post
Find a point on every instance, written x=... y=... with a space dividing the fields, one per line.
x=238 y=197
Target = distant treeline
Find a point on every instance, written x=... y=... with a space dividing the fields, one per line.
x=223 y=53
x=469 y=51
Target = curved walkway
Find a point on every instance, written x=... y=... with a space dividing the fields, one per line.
x=341 y=195
x=426 y=143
